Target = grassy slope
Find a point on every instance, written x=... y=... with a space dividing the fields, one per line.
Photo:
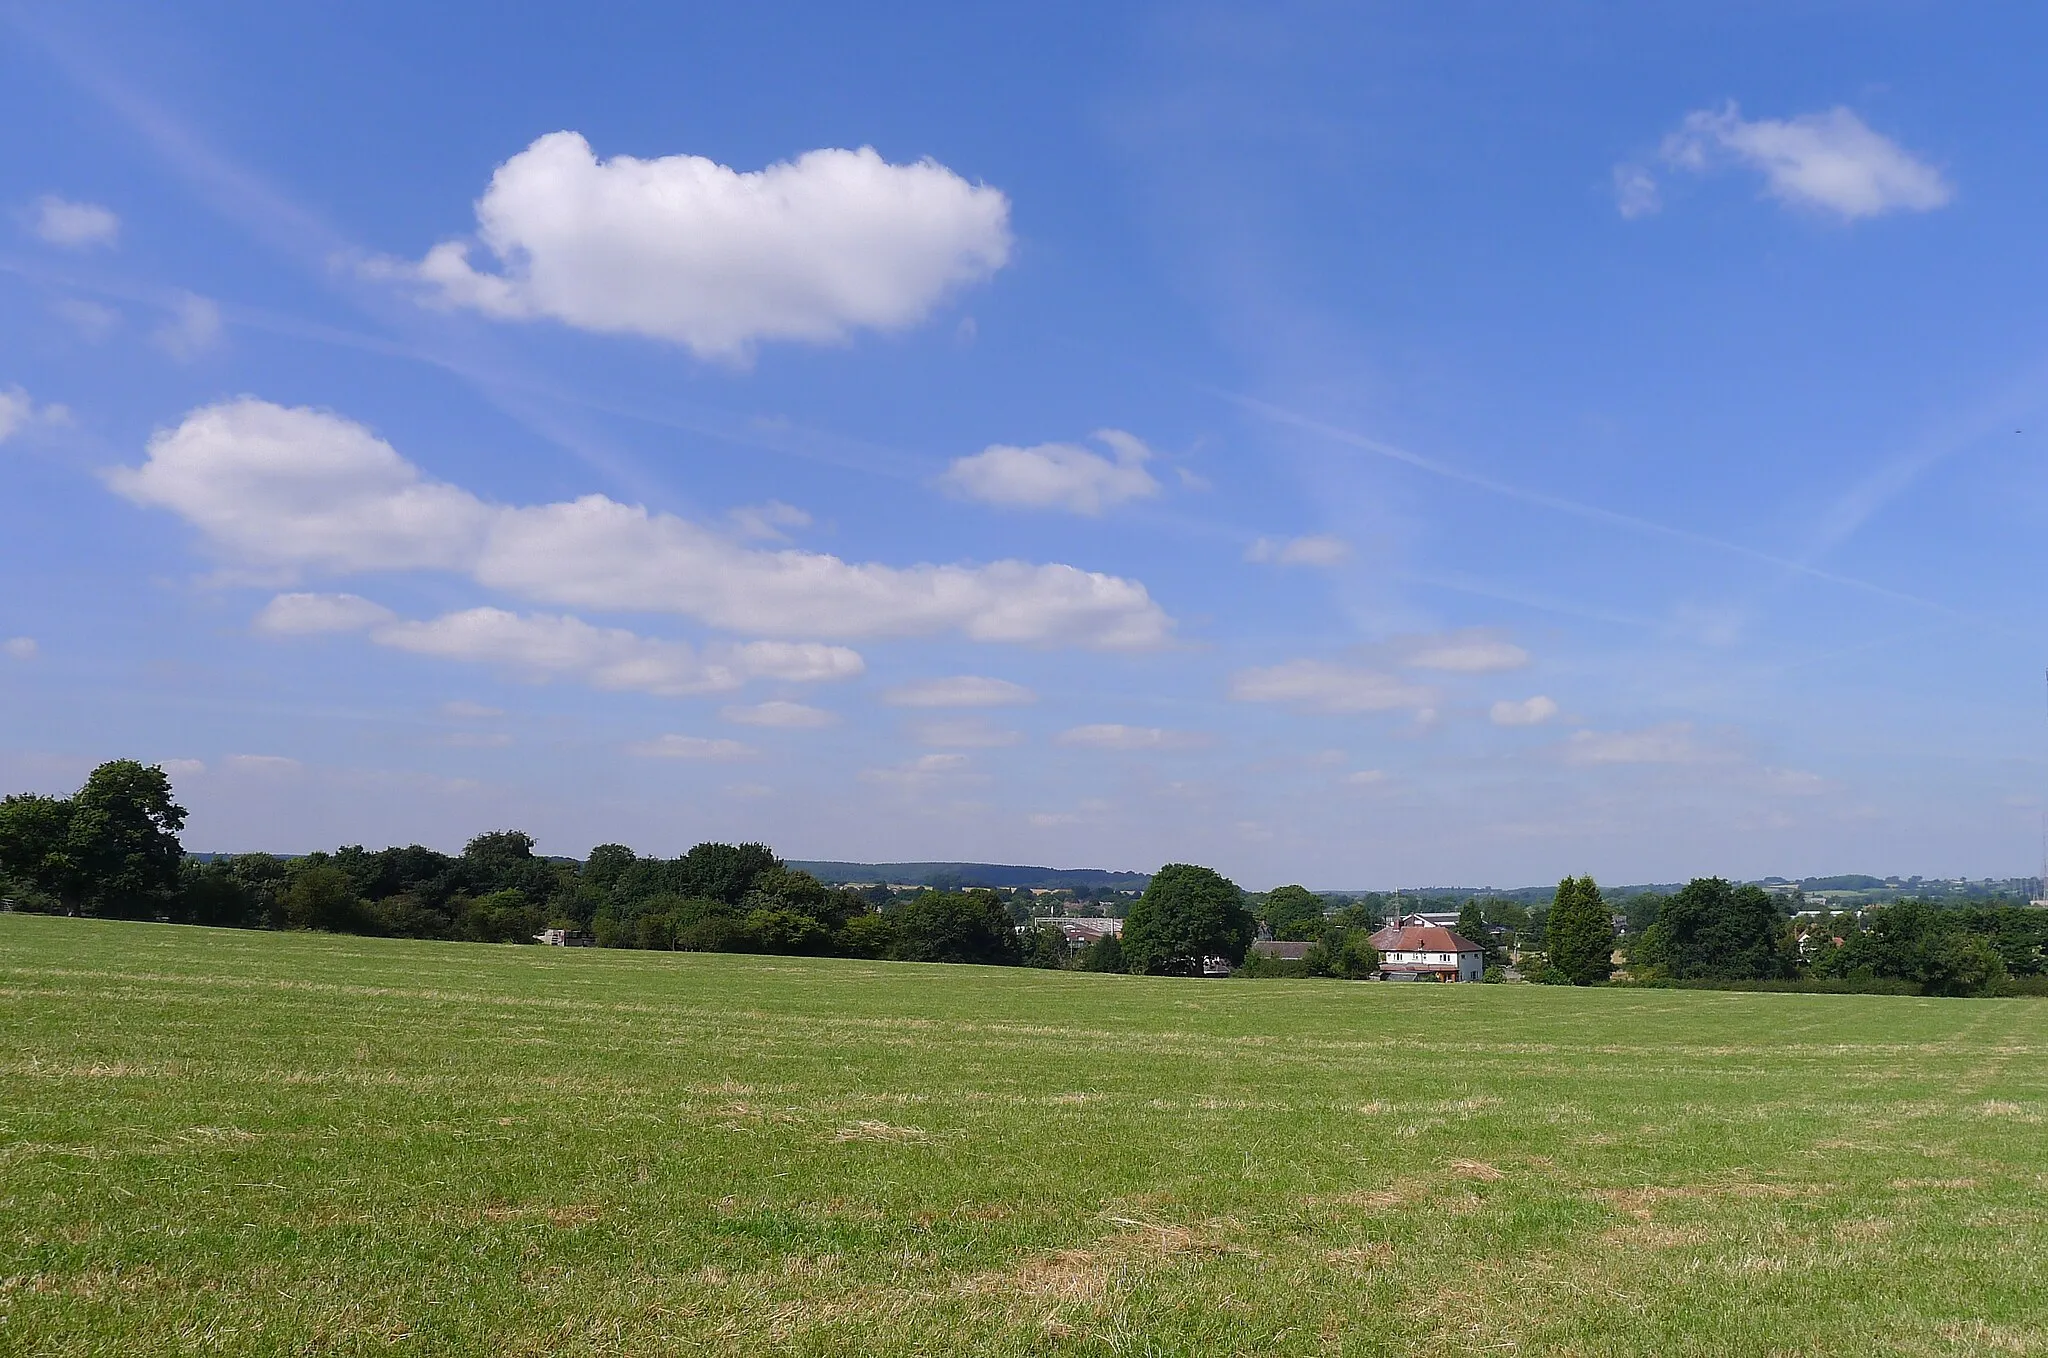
x=253 y=1143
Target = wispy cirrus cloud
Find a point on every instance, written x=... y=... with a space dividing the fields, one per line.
x=1318 y=549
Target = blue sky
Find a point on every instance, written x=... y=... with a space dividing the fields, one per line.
x=1356 y=445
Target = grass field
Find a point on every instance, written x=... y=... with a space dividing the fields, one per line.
x=258 y=1143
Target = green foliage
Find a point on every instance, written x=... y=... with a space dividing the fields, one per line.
x=948 y=926
x=109 y=849
x=1344 y=953
x=1472 y=928
x=1104 y=954
x=1188 y=913
x=1578 y=935
x=1711 y=930
x=1044 y=947
x=1294 y=913
x=321 y=896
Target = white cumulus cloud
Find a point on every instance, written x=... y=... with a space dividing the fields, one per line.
x=75 y=226
x=778 y=713
x=684 y=249
x=1315 y=550
x=960 y=690
x=1325 y=686
x=545 y=646
x=289 y=491
x=1527 y=712
x=693 y=747
x=312 y=614
x=1056 y=475
x=1112 y=736
x=1832 y=161
x=20 y=648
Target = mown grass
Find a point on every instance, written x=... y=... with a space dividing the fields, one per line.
x=214 y=1141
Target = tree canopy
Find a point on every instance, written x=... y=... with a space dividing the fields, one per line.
x=1187 y=914
x=1710 y=929
x=1294 y=913
x=1578 y=933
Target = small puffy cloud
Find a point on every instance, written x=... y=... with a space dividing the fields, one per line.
x=971 y=733
x=693 y=747
x=297 y=615
x=683 y=249
x=20 y=648
x=262 y=765
x=15 y=411
x=18 y=413
x=1315 y=550
x=183 y=768
x=1635 y=192
x=960 y=690
x=1831 y=161
x=464 y=710
x=193 y=328
x=545 y=646
x=1056 y=475
x=1473 y=651
x=1365 y=777
x=1112 y=736
x=1324 y=686
x=286 y=491
x=1528 y=712
x=74 y=226
x=780 y=714
x=1670 y=743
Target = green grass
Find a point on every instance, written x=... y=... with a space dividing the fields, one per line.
x=229 y=1142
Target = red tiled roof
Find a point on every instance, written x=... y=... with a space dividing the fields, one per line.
x=1422 y=938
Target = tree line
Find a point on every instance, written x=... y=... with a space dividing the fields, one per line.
x=113 y=850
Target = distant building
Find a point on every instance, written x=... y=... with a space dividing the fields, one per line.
x=564 y=938
x=1427 y=952
x=1081 y=931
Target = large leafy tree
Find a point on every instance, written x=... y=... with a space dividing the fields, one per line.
x=1712 y=930
x=110 y=849
x=1294 y=913
x=1578 y=933
x=949 y=926
x=1187 y=914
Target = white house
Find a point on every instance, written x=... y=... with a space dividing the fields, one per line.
x=1427 y=952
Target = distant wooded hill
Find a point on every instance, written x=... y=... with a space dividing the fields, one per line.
x=956 y=875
